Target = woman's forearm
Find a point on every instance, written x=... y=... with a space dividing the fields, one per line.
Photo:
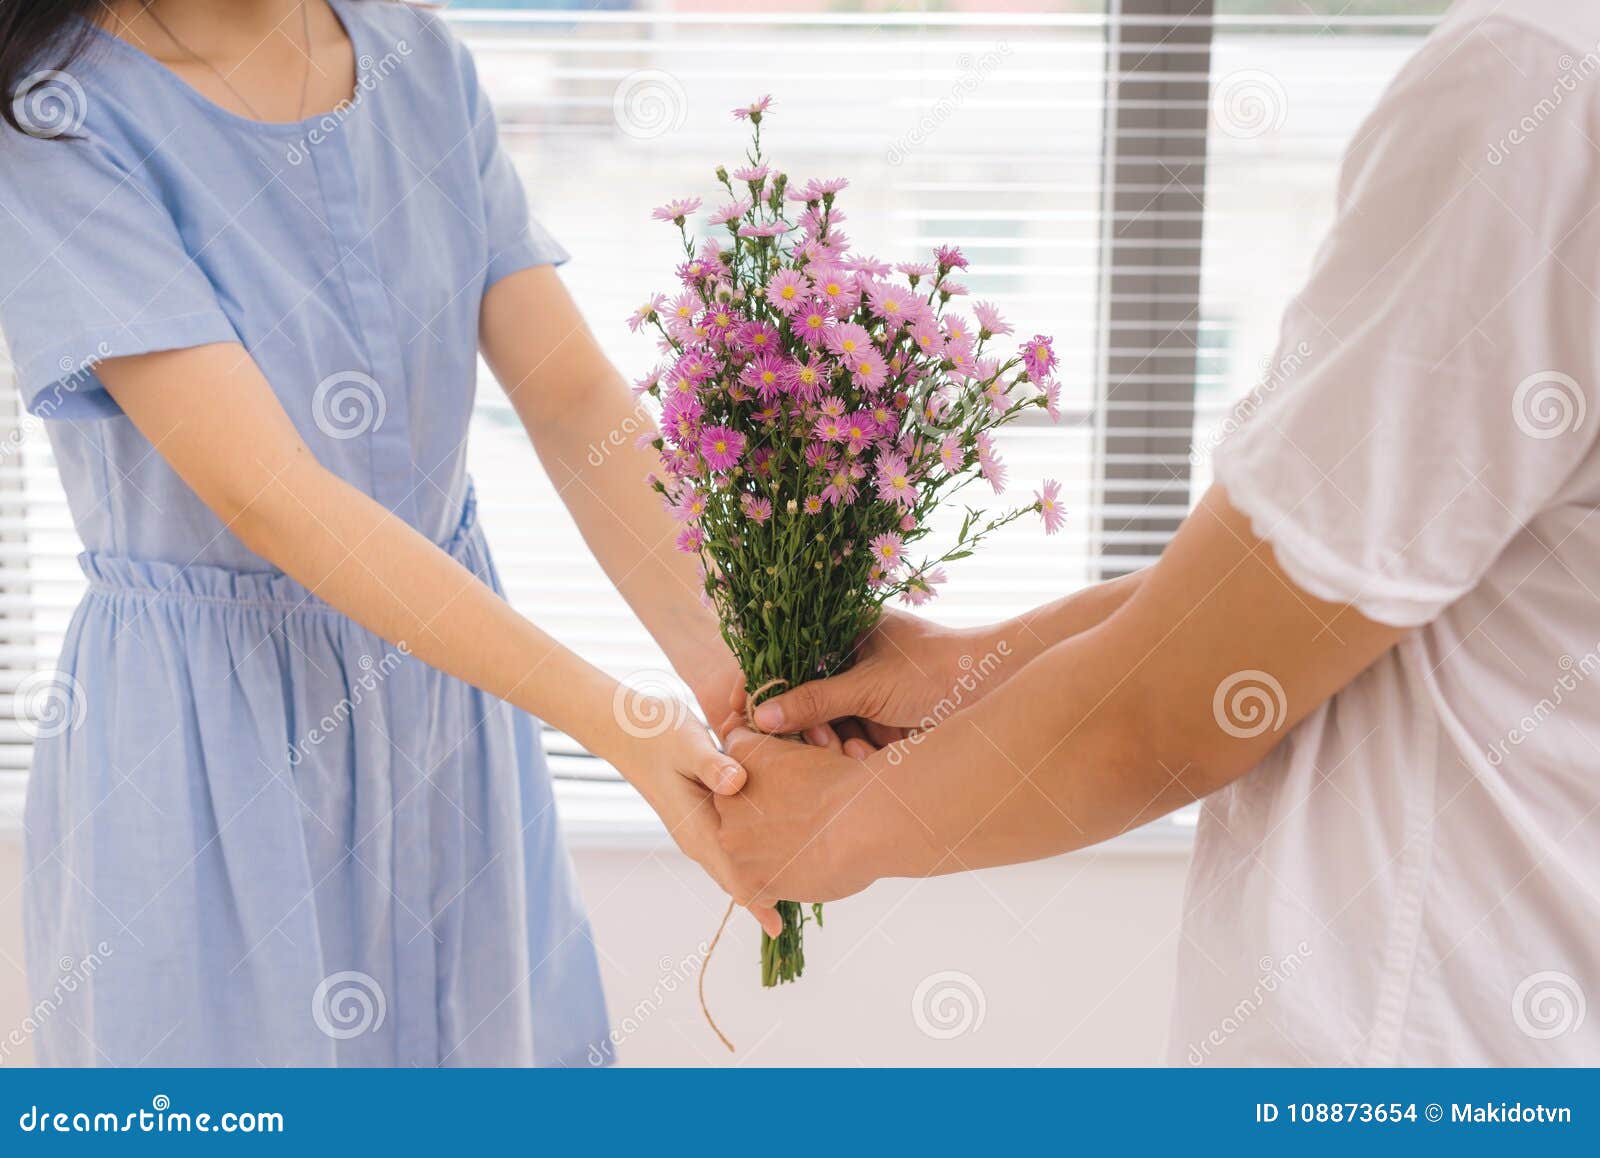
x=372 y=566
x=585 y=424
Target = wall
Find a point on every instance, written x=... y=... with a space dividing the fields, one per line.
x=1069 y=961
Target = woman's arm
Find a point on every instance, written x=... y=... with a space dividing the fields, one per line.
x=1209 y=664
x=212 y=415
x=584 y=423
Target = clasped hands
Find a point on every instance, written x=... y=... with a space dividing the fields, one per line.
x=809 y=820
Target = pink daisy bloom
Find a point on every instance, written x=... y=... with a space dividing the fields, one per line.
x=920 y=587
x=1039 y=357
x=756 y=509
x=892 y=303
x=958 y=360
x=952 y=289
x=730 y=213
x=870 y=372
x=820 y=454
x=786 y=291
x=649 y=383
x=989 y=320
x=721 y=447
x=833 y=406
x=828 y=428
x=769 y=229
x=676 y=211
x=1050 y=507
x=836 y=286
x=928 y=337
x=812 y=505
x=761 y=461
x=751 y=174
x=759 y=337
x=914 y=270
x=690 y=506
x=764 y=375
x=950 y=257
x=990 y=466
x=805 y=380
x=814 y=322
x=646 y=313
x=995 y=392
x=1052 y=400
x=858 y=430
x=956 y=328
x=753 y=110
x=841 y=489
x=868 y=266
x=884 y=417
x=894 y=481
x=952 y=456
x=888 y=549
x=690 y=539
x=849 y=341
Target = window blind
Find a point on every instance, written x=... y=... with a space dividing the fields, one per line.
x=1146 y=181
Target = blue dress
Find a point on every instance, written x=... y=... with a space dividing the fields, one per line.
x=261 y=834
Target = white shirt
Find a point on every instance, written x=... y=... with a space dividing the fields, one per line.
x=1413 y=875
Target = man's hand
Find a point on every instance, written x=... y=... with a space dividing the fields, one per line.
x=909 y=673
x=785 y=834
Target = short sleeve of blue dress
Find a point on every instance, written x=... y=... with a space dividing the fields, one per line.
x=301 y=845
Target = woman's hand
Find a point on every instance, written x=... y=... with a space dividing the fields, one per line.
x=677 y=769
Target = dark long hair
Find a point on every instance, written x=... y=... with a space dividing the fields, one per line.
x=38 y=35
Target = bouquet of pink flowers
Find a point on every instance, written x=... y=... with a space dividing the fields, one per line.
x=815 y=410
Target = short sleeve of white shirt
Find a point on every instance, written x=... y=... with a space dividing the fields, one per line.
x=1443 y=382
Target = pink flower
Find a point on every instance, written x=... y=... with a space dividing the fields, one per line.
x=721 y=447
x=833 y=406
x=757 y=510
x=841 y=488
x=870 y=372
x=959 y=361
x=929 y=337
x=858 y=430
x=690 y=506
x=753 y=110
x=769 y=229
x=895 y=304
x=646 y=313
x=868 y=266
x=837 y=287
x=990 y=466
x=915 y=271
x=950 y=257
x=764 y=375
x=1039 y=357
x=849 y=341
x=676 y=211
x=690 y=539
x=751 y=174
x=730 y=213
x=888 y=549
x=829 y=428
x=952 y=456
x=1052 y=400
x=920 y=586
x=894 y=481
x=989 y=320
x=804 y=379
x=812 y=505
x=786 y=291
x=956 y=328
x=1050 y=508
x=815 y=322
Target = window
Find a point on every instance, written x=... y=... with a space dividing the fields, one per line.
x=1145 y=180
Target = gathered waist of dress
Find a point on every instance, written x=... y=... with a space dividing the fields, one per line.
x=209 y=583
